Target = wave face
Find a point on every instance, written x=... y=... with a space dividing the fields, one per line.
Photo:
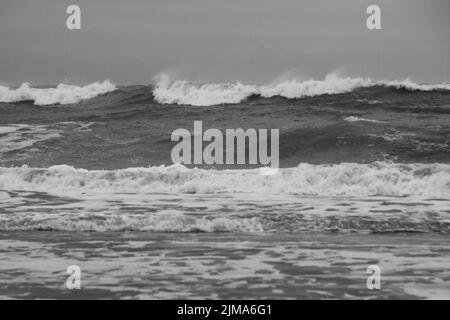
x=62 y=94
x=187 y=93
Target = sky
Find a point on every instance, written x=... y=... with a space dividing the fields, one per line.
x=254 y=41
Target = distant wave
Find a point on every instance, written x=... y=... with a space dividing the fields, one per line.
x=188 y=93
x=411 y=86
x=182 y=92
x=62 y=94
x=346 y=179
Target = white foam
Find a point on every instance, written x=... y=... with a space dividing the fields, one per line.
x=358 y=119
x=412 y=86
x=332 y=84
x=62 y=94
x=130 y=223
x=346 y=179
x=187 y=93
x=184 y=92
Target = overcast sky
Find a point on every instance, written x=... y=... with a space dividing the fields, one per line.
x=131 y=41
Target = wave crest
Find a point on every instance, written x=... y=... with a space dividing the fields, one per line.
x=187 y=93
x=62 y=94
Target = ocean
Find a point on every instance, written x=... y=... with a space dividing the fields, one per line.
x=86 y=179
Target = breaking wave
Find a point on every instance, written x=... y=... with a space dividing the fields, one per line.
x=181 y=92
x=342 y=180
x=62 y=94
x=188 y=93
x=115 y=223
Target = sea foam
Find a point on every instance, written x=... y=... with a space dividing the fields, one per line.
x=342 y=180
x=149 y=223
x=359 y=119
x=62 y=94
x=187 y=93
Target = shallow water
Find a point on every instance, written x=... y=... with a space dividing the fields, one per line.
x=311 y=265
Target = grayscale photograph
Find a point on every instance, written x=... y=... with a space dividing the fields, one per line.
x=247 y=151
